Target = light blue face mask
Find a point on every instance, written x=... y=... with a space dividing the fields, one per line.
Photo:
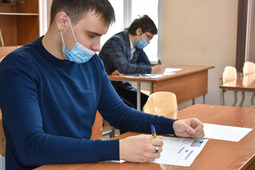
x=79 y=53
x=141 y=44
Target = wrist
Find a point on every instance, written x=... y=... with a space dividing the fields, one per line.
x=152 y=70
x=121 y=143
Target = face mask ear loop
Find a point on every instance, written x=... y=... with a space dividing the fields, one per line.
x=61 y=34
x=72 y=29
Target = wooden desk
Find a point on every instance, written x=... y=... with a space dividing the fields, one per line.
x=244 y=84
x=217 y=154
x=187 y=84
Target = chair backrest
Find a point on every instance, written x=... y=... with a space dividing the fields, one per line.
x=2 y=137
x=229 y=74
x=1 y=59
x=161 y=103
x=248 y=68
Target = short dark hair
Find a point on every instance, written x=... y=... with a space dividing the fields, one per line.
x=145 y=23
x=76 y=8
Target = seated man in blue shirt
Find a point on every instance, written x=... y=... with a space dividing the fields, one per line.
x=123 y=53
x=51 y=89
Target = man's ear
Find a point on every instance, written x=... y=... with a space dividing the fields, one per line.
x=139 y=31
x=61 y=20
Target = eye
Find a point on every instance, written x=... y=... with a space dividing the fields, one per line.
x=92 y=36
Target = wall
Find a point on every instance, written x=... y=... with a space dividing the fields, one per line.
x=201 y=32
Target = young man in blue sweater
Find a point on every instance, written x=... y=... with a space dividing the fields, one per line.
x=51 y=89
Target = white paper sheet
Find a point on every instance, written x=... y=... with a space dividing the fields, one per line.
x=169 y=71
x=222 y=132
x=180 y=151
x=153 y=76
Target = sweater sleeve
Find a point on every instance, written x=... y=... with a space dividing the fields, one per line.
x=119 y=115
x=24 y=126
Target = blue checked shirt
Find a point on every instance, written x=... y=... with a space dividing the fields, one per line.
x=116 y=55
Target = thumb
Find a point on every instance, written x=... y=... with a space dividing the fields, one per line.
x=189 y=130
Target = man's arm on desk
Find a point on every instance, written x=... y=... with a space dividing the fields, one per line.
x=158 y=69
x=142 y=148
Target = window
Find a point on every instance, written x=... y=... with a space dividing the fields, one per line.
x=126 y=11
x=119 y=23
x=150 y=8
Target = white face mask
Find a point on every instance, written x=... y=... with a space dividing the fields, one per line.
x=79 y=53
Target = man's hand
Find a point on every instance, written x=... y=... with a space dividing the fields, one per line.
x=189 y=128
x=158 y=69
x=140 y=148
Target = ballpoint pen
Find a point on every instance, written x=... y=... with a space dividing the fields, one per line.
x=153 y=131
x=159 y=61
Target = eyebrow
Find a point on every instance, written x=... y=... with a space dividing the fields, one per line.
x=94 y=33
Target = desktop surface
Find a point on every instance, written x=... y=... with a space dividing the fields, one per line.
x=217 y=154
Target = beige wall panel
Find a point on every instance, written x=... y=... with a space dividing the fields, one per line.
x=200 y=32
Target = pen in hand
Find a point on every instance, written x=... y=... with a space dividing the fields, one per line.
x=159 y=62
x=153 y=131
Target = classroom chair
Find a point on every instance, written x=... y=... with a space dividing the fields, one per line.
x=2 y=139
x=161 y=103
x=249 y=68
x=2 y=143
x=1 y=59
x=108 y=129
x=229 y=74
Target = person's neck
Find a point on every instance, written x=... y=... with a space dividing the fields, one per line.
x=53 y=44
x=132 y=39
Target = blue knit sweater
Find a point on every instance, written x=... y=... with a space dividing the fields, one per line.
x=49 y=107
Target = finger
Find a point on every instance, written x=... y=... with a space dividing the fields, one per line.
x=157 y=150
x=199 y=132
x=154 y=149
x=156 y=155
x=198 y=136
x=199 y=127
x=151 y=159
x=189 y=129
x=195 y=122
x=160 y=137
x=157 y=142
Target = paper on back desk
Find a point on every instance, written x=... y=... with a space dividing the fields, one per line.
x=169 y=71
